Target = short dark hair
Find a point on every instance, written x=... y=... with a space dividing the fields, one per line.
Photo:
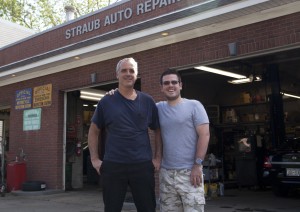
x=168 y=72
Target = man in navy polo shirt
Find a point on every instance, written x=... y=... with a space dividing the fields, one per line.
x=126 y=117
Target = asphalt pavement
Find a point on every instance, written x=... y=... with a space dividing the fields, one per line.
x=90 y=200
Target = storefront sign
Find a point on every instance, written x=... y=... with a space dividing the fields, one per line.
x=42 y=96
x=23 y=99
x=121 y=15
x=32 y=119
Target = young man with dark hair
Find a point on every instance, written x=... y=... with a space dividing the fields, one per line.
x=185 y=136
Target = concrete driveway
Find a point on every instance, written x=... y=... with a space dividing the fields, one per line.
x=91 y=201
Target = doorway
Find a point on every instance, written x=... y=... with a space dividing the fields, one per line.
x=81 y=104
x=4 y=127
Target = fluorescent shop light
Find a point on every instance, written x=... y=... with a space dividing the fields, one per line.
x=221 y=72
x=92 y=94
x=246 y=80
x=239 y=81
x=290 y=95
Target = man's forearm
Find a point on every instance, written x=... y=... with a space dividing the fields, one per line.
x=93 y=147
x=203 y=141
x=158 y=145
x=93 y=141
x=202 y=147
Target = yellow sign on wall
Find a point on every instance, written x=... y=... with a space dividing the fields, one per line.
x=42 y=96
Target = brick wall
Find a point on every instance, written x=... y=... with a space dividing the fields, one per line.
x=44 y=147
x=55 y=39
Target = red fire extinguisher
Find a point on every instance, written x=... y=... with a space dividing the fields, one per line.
x=78 y=148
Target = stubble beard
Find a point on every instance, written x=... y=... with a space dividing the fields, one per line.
x=128 y=84
x=172 y=98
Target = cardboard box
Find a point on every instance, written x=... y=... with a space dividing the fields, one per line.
x=246 y=98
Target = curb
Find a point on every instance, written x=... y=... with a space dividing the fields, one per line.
x=36 y=193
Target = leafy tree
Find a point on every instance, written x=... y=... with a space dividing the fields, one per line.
x=43 y=14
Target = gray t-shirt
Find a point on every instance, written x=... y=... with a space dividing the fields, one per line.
x=178 y=129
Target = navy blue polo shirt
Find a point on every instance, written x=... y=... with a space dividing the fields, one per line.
x=126 y=123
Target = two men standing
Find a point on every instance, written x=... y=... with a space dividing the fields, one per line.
x=126 y=116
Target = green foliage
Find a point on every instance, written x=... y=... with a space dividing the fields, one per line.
x=44 y=14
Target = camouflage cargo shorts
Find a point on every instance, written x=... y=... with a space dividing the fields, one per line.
x=177 y=193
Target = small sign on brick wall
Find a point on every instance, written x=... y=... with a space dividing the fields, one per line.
x=32 y=119
x=23 y=99
x=42 y=96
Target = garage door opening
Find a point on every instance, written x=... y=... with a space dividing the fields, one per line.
x=256 y=110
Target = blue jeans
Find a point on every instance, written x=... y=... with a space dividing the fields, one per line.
x=116 y=177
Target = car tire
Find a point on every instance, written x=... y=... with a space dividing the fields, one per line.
x=33 y=186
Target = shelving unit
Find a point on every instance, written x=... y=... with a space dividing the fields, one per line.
x=245 y=113
x=213 y=112
x=245 y=119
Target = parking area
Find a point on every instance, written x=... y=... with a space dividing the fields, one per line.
x=90 y=200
